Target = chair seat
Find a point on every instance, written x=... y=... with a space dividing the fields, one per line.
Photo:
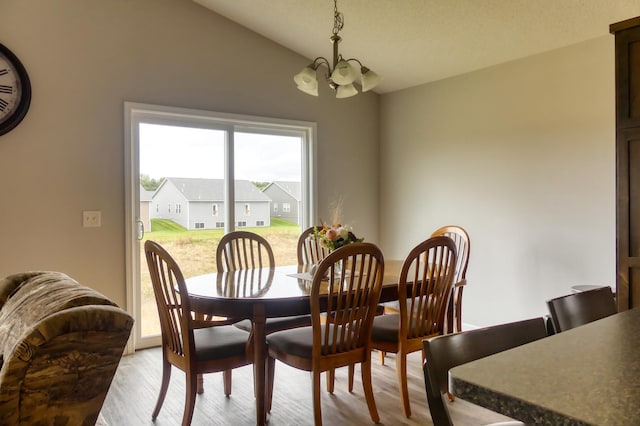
x=278 y=324
x=219 y=342
x=386 y=328
x=297 y=341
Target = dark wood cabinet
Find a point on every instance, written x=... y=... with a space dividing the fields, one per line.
x=627 y=66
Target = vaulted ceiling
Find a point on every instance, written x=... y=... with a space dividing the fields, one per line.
x=412 y=42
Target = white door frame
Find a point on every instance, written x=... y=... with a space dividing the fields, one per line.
x=136 y=113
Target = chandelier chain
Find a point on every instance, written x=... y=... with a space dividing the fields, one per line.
x=338 y=19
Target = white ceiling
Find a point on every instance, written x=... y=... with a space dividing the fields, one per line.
x=411 y=42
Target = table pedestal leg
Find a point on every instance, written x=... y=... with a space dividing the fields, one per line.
x=259 y=360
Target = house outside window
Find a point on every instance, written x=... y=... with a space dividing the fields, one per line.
x=247 y=209
x=178 y=208
x=275 y=207
x=169 y=207
x=242 y=224
x=259 y=222
x=286 y=208
x=199 y=225
x=214 y=210
x=219 y=224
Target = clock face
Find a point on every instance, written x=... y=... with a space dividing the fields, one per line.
x=15 y=90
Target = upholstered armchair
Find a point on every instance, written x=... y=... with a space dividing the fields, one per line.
x=60 y=345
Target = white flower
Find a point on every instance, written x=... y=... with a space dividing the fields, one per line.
x=343 y=231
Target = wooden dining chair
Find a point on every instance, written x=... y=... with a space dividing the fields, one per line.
x=310 y=252
x=430 y=268
x=442 y=353
x=575 y=309
x=463 y=248
x=454 y=309
x=243 y=250
x=193 y=346
x=351 y=295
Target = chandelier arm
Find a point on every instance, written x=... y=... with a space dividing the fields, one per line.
x=323 y=61
x=356 y=60
x=320 y=60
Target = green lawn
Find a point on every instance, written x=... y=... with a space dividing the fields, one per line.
x=168 y=230
x=194 y=251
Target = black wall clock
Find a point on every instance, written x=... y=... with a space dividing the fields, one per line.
x=15 y=90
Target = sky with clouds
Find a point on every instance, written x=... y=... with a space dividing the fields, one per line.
x=170 y=151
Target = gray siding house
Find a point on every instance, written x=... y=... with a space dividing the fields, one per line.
x=285 y=200
x=199 y=203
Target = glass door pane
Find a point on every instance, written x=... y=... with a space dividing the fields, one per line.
x=182 y=189
x=268 y=189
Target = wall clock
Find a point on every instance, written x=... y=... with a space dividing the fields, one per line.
x=15 y=90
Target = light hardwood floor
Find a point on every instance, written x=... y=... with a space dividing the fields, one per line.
x=134 y=390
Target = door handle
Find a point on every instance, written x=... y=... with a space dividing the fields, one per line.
x=140 y=229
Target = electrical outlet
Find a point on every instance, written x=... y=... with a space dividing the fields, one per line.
x=91 y=219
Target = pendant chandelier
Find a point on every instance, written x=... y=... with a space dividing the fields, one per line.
x=341 y=75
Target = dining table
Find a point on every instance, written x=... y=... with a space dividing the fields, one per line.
x=588 y=375
x=258 y=294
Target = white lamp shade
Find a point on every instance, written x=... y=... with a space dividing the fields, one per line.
x=343 y=73
x=309 y=91
x=369 y=79
x=307 y=78
x=346 y=91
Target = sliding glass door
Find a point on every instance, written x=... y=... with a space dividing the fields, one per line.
x=195 y=175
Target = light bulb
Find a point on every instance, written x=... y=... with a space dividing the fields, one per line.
x=346 y=91
x=343 y=73
x=369 y=79
x=307 y=78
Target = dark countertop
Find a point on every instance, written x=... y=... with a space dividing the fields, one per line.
x=589 y=375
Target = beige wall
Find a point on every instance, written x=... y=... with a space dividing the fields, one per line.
x=522 y=156
x=85 y=59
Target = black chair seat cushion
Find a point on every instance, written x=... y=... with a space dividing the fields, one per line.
x=386 y=328
x=278 y=324
x=298 y=341
x=219 y=342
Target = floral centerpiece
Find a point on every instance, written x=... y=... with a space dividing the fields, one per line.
x=335 y=236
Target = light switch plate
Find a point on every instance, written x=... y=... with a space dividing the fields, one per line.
x=91 y=219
